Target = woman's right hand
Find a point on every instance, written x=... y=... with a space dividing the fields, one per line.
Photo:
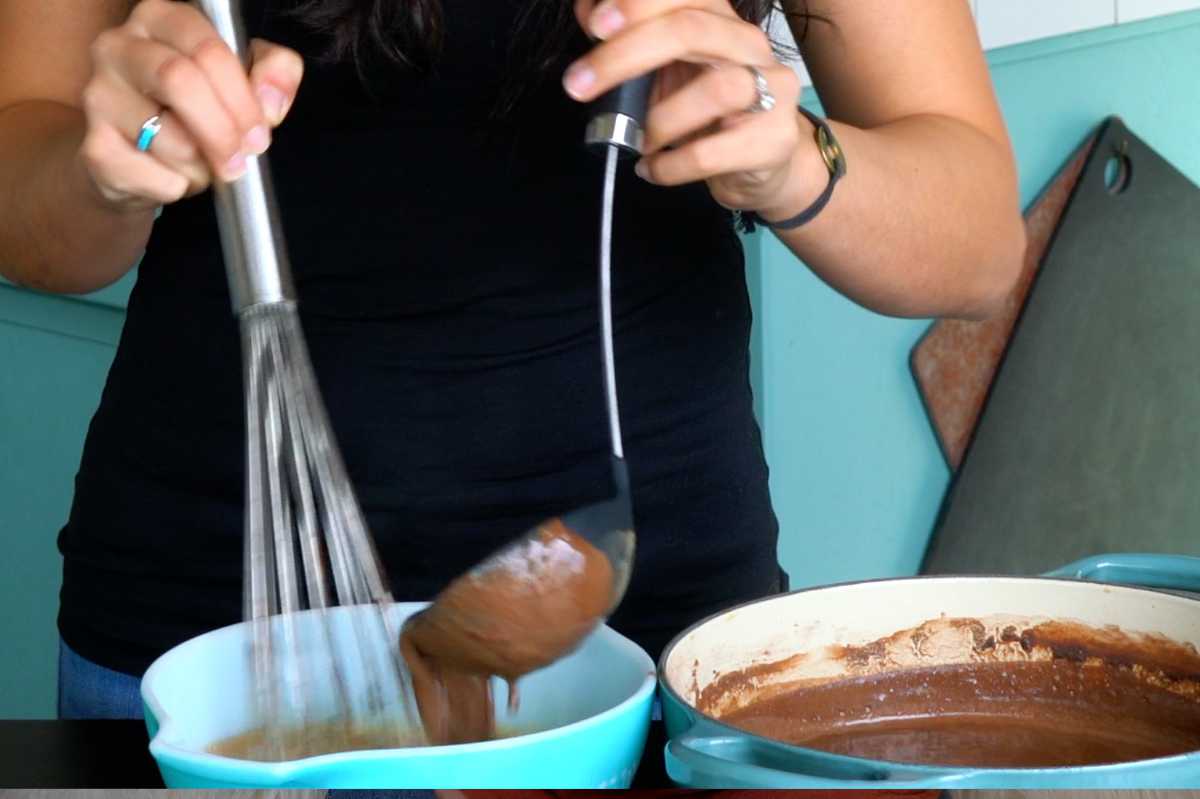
x=168 y=59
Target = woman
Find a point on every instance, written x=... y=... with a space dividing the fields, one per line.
x=441 y=217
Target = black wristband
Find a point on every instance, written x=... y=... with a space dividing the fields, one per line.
x=835 y=161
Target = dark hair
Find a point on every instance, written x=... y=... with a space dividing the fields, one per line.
x=410 y=32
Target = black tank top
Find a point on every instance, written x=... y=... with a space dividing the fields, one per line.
x=446 y=267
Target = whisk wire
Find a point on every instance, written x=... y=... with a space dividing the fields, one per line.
x=282 y=530
x=312 y=551
x=308 y=548
x=307 y=543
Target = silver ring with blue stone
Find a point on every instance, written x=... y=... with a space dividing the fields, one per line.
x=150 y=129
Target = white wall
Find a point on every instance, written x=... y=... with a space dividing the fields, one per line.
x=1006 y=22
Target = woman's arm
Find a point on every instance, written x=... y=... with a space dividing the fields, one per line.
x=56 y=231
x=77 y=81
x=927 y=220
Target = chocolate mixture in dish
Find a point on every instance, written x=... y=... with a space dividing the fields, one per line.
x=1053 y=695
x=311 y=740
x=524 y=611
x=321 y=739
x=995 y=715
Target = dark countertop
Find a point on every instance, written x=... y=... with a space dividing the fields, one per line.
x=76 y=754
x=114 y=754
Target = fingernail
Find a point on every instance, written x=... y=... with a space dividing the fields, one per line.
x=274 y=103
x=257 y=140
x=579 y=79
x=641 y=170
x=607 y=19
x=236 y=167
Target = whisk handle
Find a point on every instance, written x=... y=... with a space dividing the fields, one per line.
x=226 y=17
x=256 y=262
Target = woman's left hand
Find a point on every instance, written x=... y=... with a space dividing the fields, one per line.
x=699 y=126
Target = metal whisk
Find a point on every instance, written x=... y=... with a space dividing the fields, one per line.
x=307 y=545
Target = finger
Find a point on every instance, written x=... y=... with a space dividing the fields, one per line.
x=583 y=11
x=686 y=35
x=172 y=80
x=759 y=143
x=275 y=75
x=122 y=173
x=186 y=30
x=175 y=149
x=717 y=93
x=128 y=111
x=604 y=19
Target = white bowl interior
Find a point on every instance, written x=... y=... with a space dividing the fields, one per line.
x=200 y=691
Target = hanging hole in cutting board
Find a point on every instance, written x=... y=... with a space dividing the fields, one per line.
x=1117 y=173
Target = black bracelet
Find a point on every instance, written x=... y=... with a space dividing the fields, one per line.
x=835 y=161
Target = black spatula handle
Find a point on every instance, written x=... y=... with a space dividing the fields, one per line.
x=619 y=117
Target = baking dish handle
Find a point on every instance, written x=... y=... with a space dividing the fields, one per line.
x=740 y=762
x=1175 y=572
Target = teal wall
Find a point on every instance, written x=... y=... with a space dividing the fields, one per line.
x=856 y=473
x=54 y=354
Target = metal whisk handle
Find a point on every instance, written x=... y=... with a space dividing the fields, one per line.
x=256 y=262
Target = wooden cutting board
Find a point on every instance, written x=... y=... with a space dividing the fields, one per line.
x=955 y=361
x=1089 y=440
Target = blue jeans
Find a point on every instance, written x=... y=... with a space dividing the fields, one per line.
x=87 y=690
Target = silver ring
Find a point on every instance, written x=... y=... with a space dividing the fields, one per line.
x=149 y=130
x=765 y=100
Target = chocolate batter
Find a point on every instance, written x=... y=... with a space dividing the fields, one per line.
x=312 y=740
x=1050 y=695
x=520 y=612
x=320 y=739
x=994 y=715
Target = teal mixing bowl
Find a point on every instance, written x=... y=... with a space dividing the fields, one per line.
x=802 y=632
x=590 y=713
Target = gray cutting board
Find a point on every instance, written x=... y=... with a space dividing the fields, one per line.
x=956 y=360
x=1089 y=442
